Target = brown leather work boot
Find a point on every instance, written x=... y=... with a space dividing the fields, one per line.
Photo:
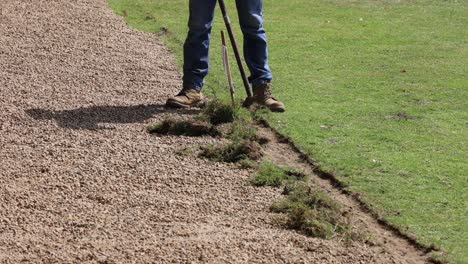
x=186 y=98
x=262 y=96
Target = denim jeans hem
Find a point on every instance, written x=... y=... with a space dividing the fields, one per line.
x=197 y=85
x=260 y=81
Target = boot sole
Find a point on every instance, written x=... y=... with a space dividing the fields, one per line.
x=278 y=110
x=175 y=104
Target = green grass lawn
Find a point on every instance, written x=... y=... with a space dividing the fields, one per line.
x=376 y=92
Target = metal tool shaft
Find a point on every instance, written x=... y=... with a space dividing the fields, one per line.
x=227 y=21
x=227 y=67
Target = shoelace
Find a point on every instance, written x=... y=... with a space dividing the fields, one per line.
x=183 y=92
x=267 y=93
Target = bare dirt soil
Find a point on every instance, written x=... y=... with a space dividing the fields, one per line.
x=82 y=181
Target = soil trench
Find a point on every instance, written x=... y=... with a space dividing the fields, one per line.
x=82 y=181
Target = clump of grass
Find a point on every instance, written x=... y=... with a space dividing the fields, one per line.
x=234 y=152
x=439 y=257
x=183 y=128
x=242 y=129
x=269 y=174
x=312 y=212
x=244 y=147
x=248 y=164
x=218 y=112
x=185 y=152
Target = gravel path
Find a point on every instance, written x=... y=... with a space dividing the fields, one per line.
x=81 y=180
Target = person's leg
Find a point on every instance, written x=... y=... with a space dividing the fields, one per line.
x=256 y=52
x=255 y=40
x=196 y=60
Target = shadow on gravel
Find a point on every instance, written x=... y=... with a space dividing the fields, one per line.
x=96 y=117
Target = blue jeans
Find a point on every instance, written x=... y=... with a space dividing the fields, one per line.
x=196 y=47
